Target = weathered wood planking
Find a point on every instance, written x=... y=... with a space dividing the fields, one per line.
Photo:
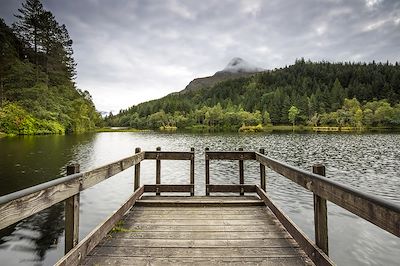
x=168 y=155
x=232 y=188
x=176 y=235
x=72 y=215
x=19 y=205
x=230 y=155
x=382 y=213
x=168 y=188
x=141 y=261
x=76 y=255
x=313 y=252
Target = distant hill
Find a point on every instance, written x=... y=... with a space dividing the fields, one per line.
x=236 y=68
x=318 y=90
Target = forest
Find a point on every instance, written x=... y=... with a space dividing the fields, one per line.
x=361 y=95
x=37 y=71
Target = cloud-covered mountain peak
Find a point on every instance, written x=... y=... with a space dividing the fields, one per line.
x=239 y=65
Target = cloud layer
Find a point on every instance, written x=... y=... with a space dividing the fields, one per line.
x=132 y=51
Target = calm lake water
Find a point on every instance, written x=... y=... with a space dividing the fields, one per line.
x=368 y=162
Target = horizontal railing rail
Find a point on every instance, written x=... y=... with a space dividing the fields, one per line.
x=380 y=212
x=24 y=203
x=19 y=205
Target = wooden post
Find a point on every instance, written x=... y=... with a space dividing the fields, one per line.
x=241 y=173
x=207 y=172
x=262 y=172
x=320 y=215
x=137 y=172
x=72 y=215
x=192 y=172
x=158 y=171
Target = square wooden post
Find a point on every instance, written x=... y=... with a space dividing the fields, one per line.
x=320 y=215
x=262 y=172
x=136 y=184
x=158 y=170
x=72 y=215
x=192 y=172
x=241 y=173
x=207 y=172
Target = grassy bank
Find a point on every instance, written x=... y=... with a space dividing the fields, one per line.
x=109 y=129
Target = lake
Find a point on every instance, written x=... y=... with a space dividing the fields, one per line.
x=368 y=162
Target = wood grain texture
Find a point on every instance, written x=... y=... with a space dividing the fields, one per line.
x=382 y=213
x=168 y=155
x=174 y=235
x=232 y=188
x=79 y=252
x=24 y=206
x=313 y=252
x=230 y=155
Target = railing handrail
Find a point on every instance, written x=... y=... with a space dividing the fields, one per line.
x=383 y=213
x=309 y=186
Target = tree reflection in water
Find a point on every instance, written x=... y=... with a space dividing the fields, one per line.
x=37 y=234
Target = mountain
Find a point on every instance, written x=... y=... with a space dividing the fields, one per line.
x=236 y=68
x=324 y=93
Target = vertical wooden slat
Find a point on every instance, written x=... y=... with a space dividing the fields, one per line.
x=72 y=215
x=241 y=173
x=207 y=172
x=192 y=172
x=137 y=172
x=262 y=172
x=158 y=170
x=320 y=215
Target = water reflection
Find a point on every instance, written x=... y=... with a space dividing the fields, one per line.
x=369 y=162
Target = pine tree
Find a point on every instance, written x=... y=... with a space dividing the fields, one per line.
x=28 y=27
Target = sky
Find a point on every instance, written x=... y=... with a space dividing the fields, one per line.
x=131 y=51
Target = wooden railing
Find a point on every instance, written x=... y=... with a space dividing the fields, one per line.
x=19 y=205
x=382 y=213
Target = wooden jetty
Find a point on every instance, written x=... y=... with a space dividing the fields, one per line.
x=154 y=229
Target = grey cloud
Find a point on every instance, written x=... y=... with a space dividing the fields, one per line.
x=132 y=51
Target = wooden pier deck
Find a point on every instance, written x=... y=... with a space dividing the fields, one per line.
x=198 y=231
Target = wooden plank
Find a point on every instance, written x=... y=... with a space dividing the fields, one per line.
x=71 y=215
x=168 y=188
x=241 y=174
x=320 y=215
x=79 y=252
x=168 y=155
x=313 y=252
x=142 y=261
x=192 y=171
x=232 y=188
x=183 y=203
x=204 y=234
x=193 y=216
x=136 y=182
x=262 y=173
x=202 y=243
x=203 y=222
x=201 y=198
x=380 y=212
x=230 y=155
x=158 y=172
x=22 y=204
x=207 y=171
x=138 y=227
x=221 y=252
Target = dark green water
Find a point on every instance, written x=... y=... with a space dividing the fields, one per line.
x=369 y=162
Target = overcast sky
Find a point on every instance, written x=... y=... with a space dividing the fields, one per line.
x=133 y=51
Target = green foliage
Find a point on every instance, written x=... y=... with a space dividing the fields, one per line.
x=36 y=77
x=318 y=90
x=292 y=114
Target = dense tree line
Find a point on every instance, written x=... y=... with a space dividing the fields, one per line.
x=37 y=71
x=317 y=90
